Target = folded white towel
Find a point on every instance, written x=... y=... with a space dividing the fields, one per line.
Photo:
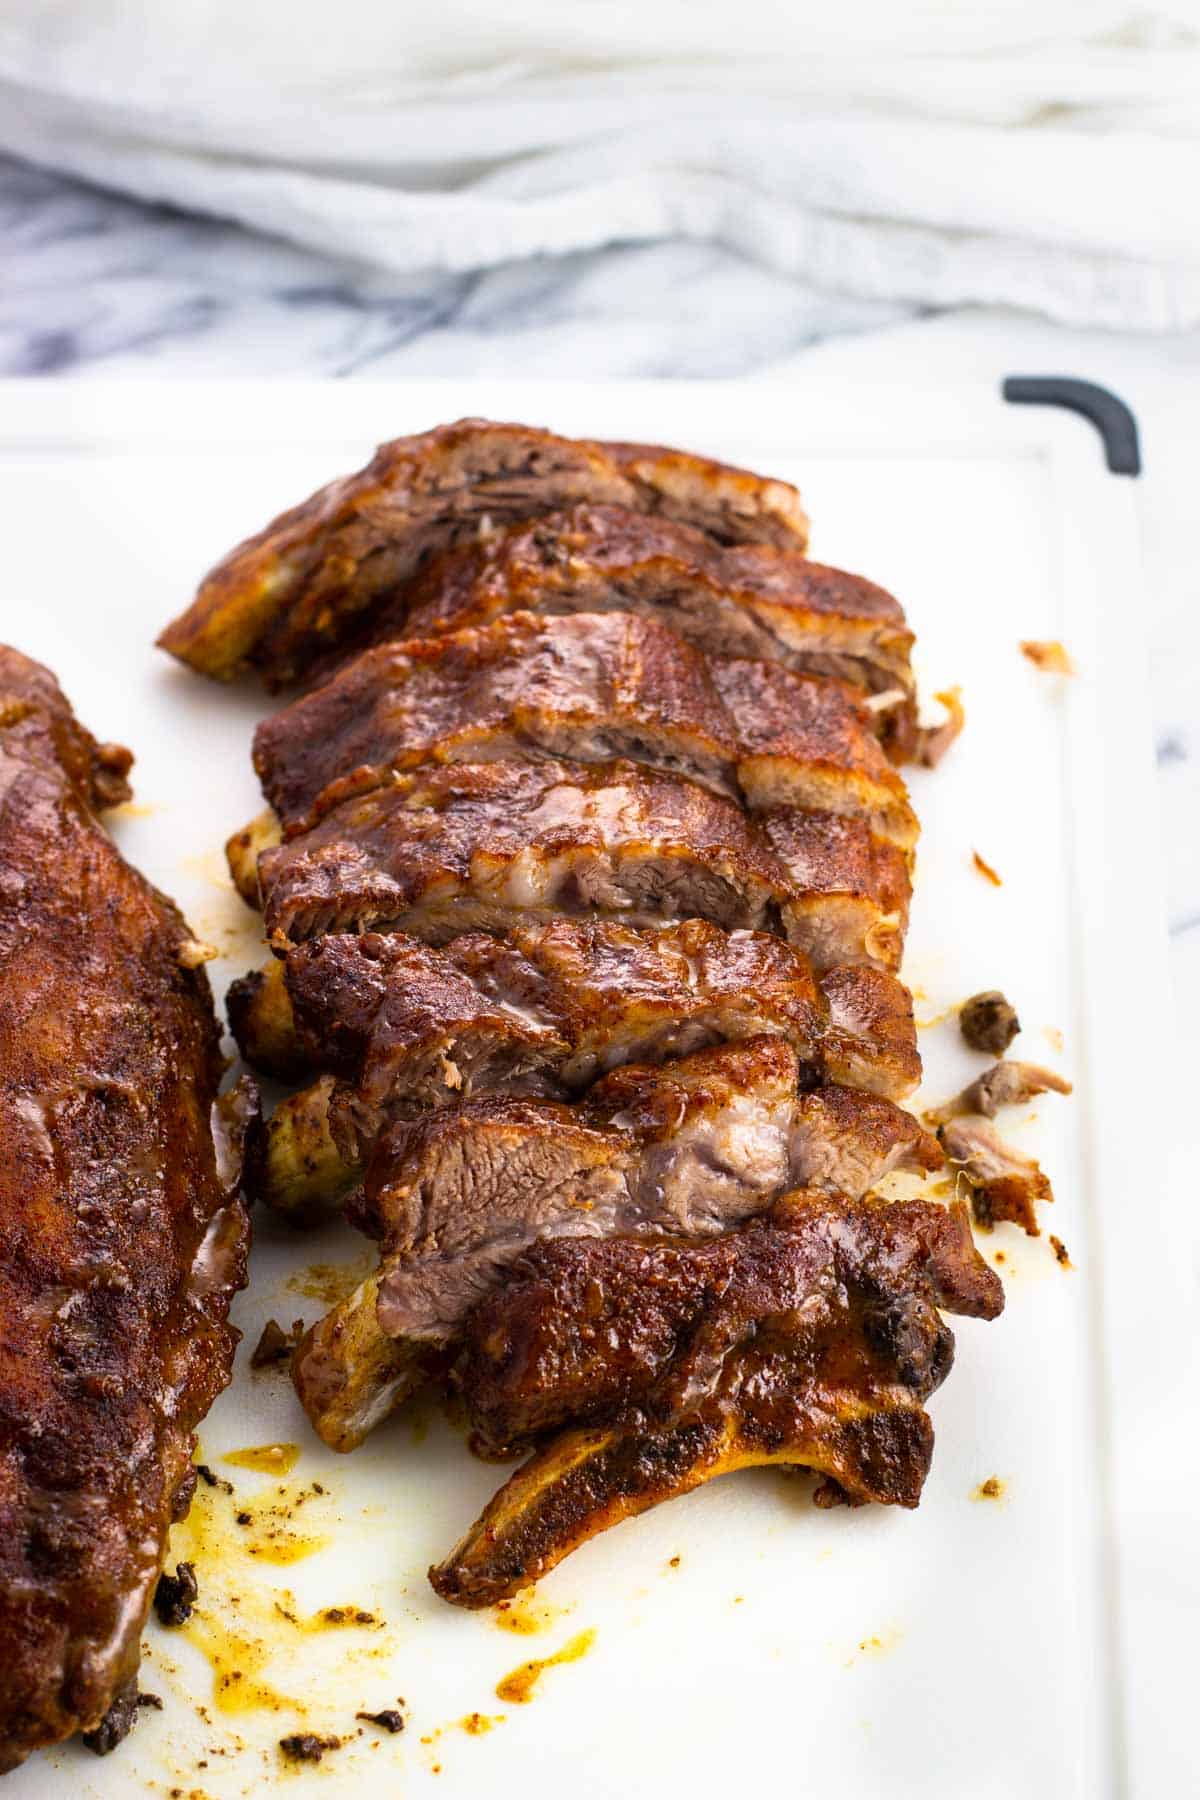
x=1042 y=154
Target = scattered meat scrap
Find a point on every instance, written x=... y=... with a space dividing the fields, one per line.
x=213 y=1481
x=387 y=1720
x=176 y=1594
x=305 y=1746
x=988 y=1022
x=275 y=1345
x=1004 y=1184
x=1060 y=1252
x=1004 y=1084
x=935 y=740
x=119 y=1720
x=985 y=869
x=1051 y=657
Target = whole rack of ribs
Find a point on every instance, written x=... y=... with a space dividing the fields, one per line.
x=123 y=1237
x=586 y=871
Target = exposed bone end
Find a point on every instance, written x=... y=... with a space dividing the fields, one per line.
x=192 y=954
x=243 y=850
x=348 y=1374
x=592 y=1478
x=236 y=602
x=303 y=1173
x=581 y=1484
x=264 y=1025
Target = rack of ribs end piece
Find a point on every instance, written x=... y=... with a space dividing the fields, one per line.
x=585 y=871
x=122 y=1234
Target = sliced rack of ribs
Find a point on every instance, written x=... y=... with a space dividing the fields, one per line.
x=465 y=846
x=400 y=1027
x=431 y=765
x=298 y=589
x=586 y=869
x=122 y=1237
x=639 y=1368
x=590 y=688
x=456 y=1196
x=766 y=602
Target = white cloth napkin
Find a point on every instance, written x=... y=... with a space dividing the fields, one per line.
x=1045 y=155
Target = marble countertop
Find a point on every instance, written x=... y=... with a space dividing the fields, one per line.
x=99 y=286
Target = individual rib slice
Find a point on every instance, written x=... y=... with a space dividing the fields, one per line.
x=809 y=1336
x=121 y=1235
x=743 y=601
x=487 y=846
x=603 y=991
x=295 y=590
x=490 y=845
x=851 y=890
x=456 y=1197
x=405 y=1026
x=804 y=741
x=590 y=688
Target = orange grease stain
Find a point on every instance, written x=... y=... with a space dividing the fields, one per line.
x=269 y=1459
x=518 y=1687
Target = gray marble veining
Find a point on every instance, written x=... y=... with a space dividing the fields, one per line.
x=97 y=285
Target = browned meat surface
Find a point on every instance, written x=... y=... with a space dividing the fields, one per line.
x=1004 y=1184
x=741 y=601
x=691 y=1146
x=43 y=739
x=731 y=505
x=487 y=846
x=490 y=845
x=593 y=993
x=456 y=1196
x=590 y=688
x=405 y=1026
x=121 y=1235
x=803 y=741
x=870 y=1038
x=808 y=1336
x=852 y=889
x=300 y=587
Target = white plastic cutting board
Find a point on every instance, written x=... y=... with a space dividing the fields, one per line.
x=1024 y=1646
